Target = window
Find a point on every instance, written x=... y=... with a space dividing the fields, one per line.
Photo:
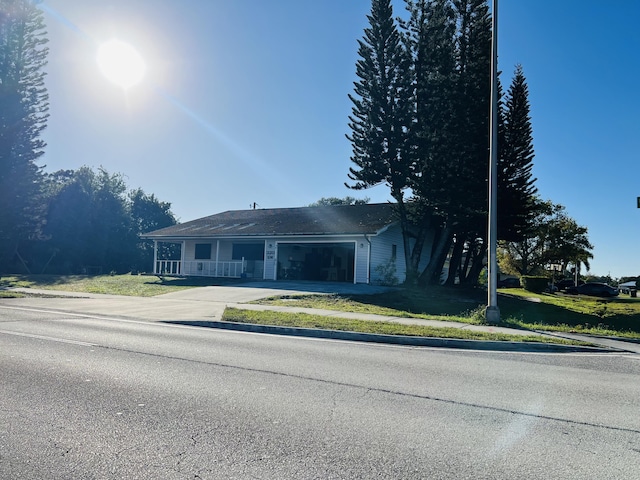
x=203 y=251
x=394 y=252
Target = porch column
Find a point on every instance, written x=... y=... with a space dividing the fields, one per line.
x=155 y=257
x=217 y=255
x=182 y=256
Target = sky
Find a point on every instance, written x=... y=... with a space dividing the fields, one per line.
x=246 y=101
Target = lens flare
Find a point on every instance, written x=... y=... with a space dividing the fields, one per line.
x=121 y=63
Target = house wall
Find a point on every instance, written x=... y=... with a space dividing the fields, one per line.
x=382 y=251
x=270 y=259
x=225 y=253
x=382 y=259
x=373 y=254
x=363 y=253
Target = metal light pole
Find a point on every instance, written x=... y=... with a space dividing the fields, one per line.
x=492 y=313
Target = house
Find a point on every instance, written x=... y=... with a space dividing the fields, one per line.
x=341 y=243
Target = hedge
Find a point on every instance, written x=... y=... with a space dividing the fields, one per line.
x=535 y=284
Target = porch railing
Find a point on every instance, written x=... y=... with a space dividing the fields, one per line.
x=204 y=268
x=168 y=267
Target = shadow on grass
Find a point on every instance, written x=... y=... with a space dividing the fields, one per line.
x=433 y=301
x=516 y=312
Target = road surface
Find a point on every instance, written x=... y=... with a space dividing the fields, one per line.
x=94 y=397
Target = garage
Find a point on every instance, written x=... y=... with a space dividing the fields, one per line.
x=329 y=262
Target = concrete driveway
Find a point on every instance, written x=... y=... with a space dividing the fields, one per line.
x=250 y=291
x=199 y=303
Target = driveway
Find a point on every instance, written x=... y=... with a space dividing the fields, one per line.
x=200 y=303
x=250 y=291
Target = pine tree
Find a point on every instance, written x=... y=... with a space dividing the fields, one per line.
x=23 y=115
x=474 y=65
x=432 y=34
x=516 y=189
x=450 y=43
x=382 y=113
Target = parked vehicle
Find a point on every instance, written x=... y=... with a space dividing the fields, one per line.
x=509 y=283
x=567 y=284
x=595 y=290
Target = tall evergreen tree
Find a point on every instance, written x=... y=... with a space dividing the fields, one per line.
x=440 y=178
x=382 y=113
x=450 y=43
x=474 y=66
x=431 y=38
x=23 y=116
x=516 y=184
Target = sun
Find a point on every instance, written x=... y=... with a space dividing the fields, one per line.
x=121 y=63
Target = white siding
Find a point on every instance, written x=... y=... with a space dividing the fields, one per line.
x=189 y=250
x=381 y=254
x=363 y=250
x=226 y=249
x=270 y=259
x=382 y=248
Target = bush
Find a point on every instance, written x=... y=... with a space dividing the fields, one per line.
x=534 y=284
x=387 y=273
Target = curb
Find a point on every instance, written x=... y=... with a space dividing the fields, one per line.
x=504 y=346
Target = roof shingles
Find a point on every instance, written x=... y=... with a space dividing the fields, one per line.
x=326 y=220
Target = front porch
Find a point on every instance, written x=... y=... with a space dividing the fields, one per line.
x=204 y=268
x=189 y=266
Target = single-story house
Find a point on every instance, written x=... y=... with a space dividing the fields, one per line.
x=341 y=243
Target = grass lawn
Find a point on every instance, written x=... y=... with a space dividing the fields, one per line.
x=518 y=308
x=434 y=304
x=131 y=285
x=572 y=313
x=303 y=320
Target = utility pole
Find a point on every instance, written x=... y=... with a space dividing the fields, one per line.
x=492 y=313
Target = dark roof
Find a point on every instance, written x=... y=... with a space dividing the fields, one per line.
x=329 y=220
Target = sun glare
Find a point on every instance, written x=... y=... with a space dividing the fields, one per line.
x=121 y=63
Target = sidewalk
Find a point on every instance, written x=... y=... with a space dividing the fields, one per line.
x=205 y=311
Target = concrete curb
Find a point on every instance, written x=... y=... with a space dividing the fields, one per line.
x=504 y=346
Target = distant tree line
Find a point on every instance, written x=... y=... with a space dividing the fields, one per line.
x=67 y=221
x=420 y=125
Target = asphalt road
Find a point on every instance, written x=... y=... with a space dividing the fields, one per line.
x=103 y=398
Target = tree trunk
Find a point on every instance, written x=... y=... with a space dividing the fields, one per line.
x=477 y=265
x=455 y=261
x=464 y=273
x=411 y=275
x=438 y=257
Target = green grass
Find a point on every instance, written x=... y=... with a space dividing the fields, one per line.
x=519 y=309
x=433 y=304
x=303 y=320
x=618 y=316
x=130 y=285
x=8 y=294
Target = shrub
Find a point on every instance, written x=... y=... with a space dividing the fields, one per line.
x=534 y=284
x=387 y=273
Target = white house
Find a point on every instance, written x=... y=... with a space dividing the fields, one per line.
x=342 y=243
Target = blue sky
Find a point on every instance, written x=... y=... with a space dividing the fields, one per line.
x=246 y=101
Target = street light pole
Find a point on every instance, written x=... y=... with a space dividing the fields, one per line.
x=492 y=313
